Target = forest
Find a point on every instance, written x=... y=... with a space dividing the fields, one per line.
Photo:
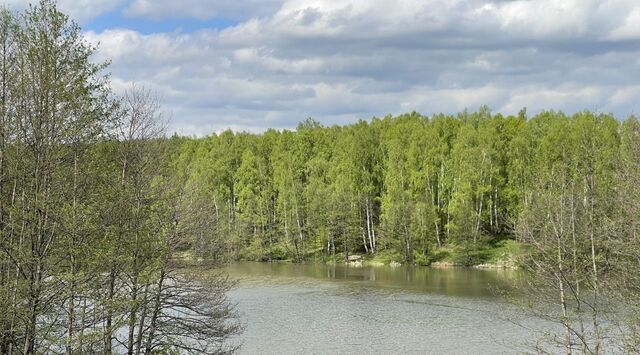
x=413 y=188
x=105 y=221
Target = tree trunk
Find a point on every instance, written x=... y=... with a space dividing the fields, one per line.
x=141 y=324
x=108 y=332
x=156 y=313
x=133 y=314
x=300 y=234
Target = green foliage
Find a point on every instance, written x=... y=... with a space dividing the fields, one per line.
x=94 y=200
x=409 y=185
x=505 y=250
x=386 y=257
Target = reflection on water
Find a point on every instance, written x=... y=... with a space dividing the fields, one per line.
x=459 y=282
x=325 y=309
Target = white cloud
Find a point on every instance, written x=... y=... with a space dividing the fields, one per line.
x=261 y=57
x=630 y=27
x=623 y=96
x=85 y=10
x=566 y=97
x=339 y=60
x=545 y=17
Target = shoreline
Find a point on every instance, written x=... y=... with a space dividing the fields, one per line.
x=501 y=265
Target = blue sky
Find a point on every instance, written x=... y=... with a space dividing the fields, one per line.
x=116 y=19
x=255 y=64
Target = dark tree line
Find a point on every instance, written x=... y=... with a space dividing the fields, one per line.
x=92 y=208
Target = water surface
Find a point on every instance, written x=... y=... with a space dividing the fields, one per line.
x=325 y=309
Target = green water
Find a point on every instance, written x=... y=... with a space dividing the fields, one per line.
x=324 y=309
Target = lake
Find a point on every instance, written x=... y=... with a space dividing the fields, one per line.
x=320 y=309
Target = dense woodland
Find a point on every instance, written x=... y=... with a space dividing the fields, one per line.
x=99 y=211
x=411 y=186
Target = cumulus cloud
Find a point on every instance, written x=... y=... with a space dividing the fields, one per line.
x=339 y=60
x=86 y=10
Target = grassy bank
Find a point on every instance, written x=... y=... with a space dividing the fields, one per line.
x=501 y=254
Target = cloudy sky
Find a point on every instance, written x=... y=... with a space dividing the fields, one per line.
x=255 y=64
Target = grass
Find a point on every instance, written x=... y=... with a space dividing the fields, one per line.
x=384 y=257
x=504 y=252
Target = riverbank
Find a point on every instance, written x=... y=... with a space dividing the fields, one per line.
x=501 y=255
x=499 y=264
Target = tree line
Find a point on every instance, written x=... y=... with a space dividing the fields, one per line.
x=409 y=185
x=92 y=208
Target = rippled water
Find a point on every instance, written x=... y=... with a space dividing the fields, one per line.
x=322 y=309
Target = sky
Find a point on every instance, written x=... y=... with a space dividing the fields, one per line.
x=258 y=64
